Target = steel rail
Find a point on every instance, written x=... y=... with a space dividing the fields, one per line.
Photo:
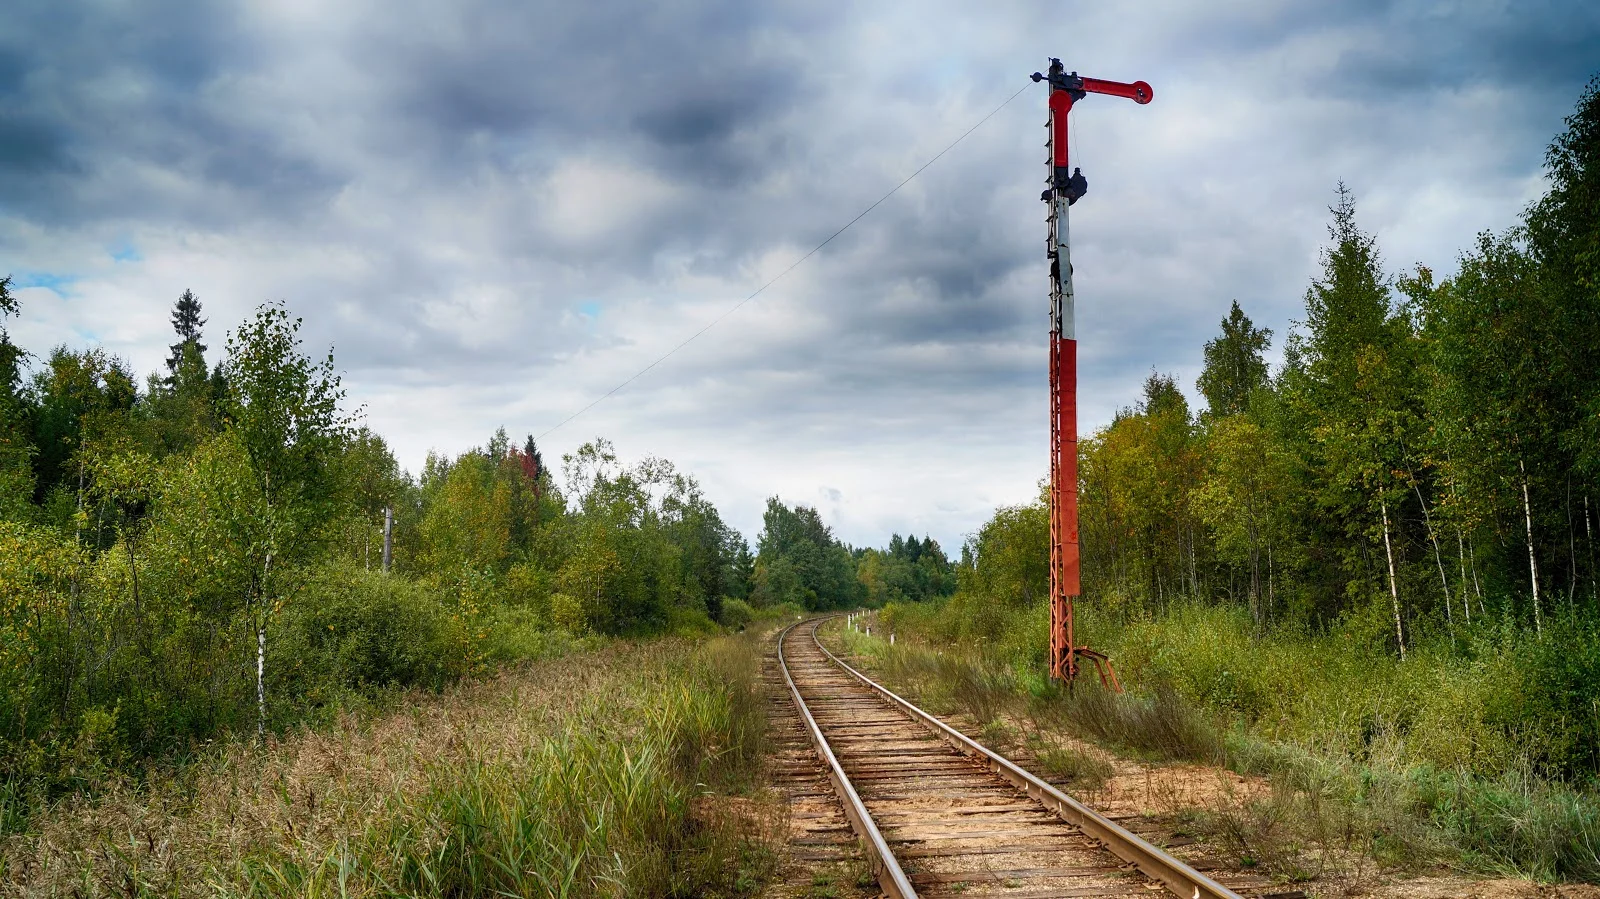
x=891 y=877
x=1178 y=877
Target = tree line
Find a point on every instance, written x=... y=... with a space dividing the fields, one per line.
x=204 y=554
x=1426 y=456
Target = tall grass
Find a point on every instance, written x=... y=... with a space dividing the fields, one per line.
x=1160 y=725
x=605 y=773
x=1456 y=756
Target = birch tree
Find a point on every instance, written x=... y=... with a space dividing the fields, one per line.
x=1495 y=343
x=284 y=410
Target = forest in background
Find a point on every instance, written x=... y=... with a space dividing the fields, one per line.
x=201 y=556
x=1428 y=453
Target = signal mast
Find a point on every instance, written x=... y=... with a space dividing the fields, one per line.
x=1067 y=186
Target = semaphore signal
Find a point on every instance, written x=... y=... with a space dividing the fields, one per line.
x=1067 y=186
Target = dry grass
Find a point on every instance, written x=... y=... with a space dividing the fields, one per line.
x=1085 y=772
x=579 y=776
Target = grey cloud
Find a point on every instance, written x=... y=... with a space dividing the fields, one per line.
x=31 y=146
x=395 y=173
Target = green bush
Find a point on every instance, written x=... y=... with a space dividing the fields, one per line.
x=517 y=634
x=783 y=611
x=736 y=613
x=690 y=621
x=351 y=629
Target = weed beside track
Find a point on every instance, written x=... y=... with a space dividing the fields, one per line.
x=1290 y=810
x=609 y=773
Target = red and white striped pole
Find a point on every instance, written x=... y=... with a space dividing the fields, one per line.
x=1066 y=187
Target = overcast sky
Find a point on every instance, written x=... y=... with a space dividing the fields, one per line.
x=496 y=211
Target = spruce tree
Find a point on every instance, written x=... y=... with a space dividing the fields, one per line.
x=1356 y=384
x=185 y=401
x=187 y=322
x=1234 y=364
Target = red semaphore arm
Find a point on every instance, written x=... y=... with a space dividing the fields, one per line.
x=1139 y=92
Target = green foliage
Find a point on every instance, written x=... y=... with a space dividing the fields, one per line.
x=690 y=622
x=184 y=405
x=800 y=561
x=350 y=629
x=1424 y=458
x=1009 y=557
x=1234 y=365
x=910 y=569
x=37 y=571
x=1241 y=499
x=186 y=321
x=284 y=410
x=736 y=614
x=16 y=443
x=77 y=397
x=208 y=557
x=1138 y=528
x=515 y=634
x=1563 y=236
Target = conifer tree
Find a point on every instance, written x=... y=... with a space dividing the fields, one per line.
x=1234 y=364
x=1355 y=381
x=185 y=401
x=187 y=322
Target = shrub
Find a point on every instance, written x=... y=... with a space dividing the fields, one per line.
x=567 y=613
x=689 y=621
x=736 y=613
x=351 y=629
x=518 y=635
x=1083 y=770
x=783 y=611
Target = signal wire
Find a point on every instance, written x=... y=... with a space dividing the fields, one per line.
x=792 y=266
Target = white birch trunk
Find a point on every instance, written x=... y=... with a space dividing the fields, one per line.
x=1461 y=556
x=261 y=679
x=1194 y=565
x=1477 y=587
x=1572 y=550
x=1588 y=532
x=261 y=652
x=1394 y=587
x=1533 y=562
x=1269 y=575
x=1444 y=582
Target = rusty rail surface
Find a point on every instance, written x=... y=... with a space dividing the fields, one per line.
x=937 y=802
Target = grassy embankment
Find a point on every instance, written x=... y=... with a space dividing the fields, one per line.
x=611 y=771
x=1467 y=754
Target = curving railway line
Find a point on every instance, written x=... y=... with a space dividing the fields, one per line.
x=937 y=814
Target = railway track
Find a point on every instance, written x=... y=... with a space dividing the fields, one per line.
x=937 y=814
